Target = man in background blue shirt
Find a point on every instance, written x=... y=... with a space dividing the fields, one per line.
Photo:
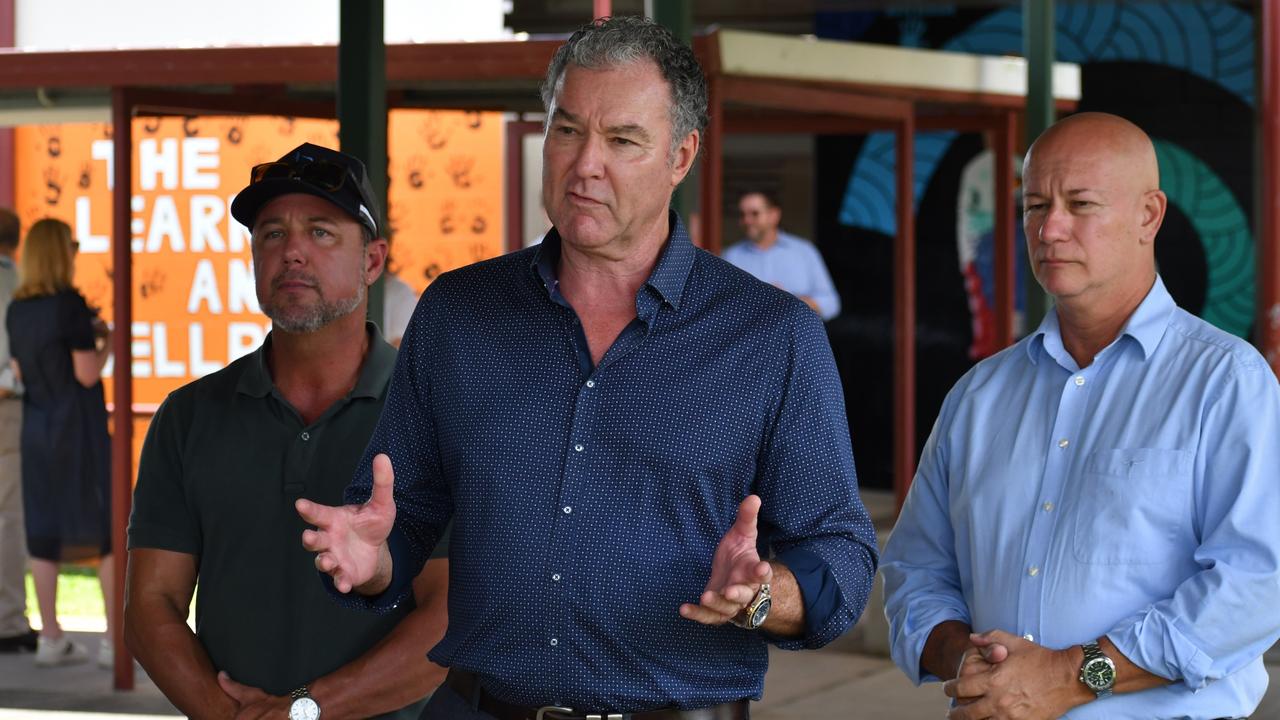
x=644 y=449
x=1099 y=501
x=779 y=258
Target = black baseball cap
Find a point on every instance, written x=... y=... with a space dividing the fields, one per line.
x=334 y=176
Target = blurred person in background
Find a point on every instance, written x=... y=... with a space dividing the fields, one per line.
x=398 y=302
x=59 y=346
x=780 y=258
x=16 y=634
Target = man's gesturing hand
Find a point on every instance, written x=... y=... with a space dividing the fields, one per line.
x=737 y=571
x=351 y=541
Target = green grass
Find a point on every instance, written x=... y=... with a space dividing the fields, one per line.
x=78 y=594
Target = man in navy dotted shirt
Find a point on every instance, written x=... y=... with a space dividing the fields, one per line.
x=644 y=449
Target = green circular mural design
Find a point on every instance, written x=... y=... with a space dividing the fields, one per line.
x=1224 y=233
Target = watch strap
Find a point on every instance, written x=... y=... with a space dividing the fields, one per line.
x=1093 y=652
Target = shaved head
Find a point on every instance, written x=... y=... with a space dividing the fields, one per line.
x=1093 y=206
x=1105 y=135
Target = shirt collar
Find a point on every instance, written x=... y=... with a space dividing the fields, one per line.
x=375 y=372
x=669 y=276
x=1146 y=325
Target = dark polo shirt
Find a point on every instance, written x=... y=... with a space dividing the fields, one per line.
x=224 y=459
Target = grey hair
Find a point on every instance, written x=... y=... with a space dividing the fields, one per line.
x=614 y=41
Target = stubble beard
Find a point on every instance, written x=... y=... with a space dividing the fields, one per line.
x=312 y=318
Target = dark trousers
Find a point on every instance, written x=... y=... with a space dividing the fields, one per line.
x=445 y=704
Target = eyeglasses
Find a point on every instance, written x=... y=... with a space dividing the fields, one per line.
x=318 y=173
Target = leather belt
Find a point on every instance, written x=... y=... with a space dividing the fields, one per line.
x=467 y=684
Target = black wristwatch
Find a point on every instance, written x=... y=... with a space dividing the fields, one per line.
x=1097 y=672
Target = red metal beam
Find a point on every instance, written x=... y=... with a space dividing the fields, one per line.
x=167 y=102
x=783 y=95
x=744 y=122
x=904 y=317
x=425 y=62
x=122 y=374
x=1267 y=321
x=149 y=68
x=514 y=162
x=1005 y=270
x=711 y=224
x=601 y=8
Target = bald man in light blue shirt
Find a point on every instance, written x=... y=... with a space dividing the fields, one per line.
x=1100 y=500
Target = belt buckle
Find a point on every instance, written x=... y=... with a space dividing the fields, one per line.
x=542 y=713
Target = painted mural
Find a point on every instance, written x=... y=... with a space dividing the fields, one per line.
x=1183 y=71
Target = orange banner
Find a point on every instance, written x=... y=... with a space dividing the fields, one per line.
x=194 y=304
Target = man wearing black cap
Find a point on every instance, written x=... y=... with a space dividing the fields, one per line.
x=227 y=455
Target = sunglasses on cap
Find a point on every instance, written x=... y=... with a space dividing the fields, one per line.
x=321 y=174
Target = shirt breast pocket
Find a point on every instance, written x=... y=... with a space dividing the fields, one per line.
x=1133 y=505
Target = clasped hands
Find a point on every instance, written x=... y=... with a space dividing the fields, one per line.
x=350 y=543
x=1005 y=676
x=253 y=703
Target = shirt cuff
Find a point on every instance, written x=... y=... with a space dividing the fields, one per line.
x=402 y=575
x=1154 y=643
x=819 y=592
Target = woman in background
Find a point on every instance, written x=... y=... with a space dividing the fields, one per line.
x=59 y=346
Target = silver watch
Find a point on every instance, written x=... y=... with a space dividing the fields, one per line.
x=1097 y=672
x=304 y=706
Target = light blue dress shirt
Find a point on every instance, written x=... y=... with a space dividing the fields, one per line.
x=1137 y=498
x=793 y=264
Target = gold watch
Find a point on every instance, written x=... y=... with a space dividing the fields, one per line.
x=753 y=616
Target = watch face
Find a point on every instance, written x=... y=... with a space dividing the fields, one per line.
x=304 y=709
x=1099 y=674
x=762 y=612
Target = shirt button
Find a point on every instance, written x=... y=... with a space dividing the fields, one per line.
x=1079 y=380
x=305 y=436
x=1029 y=637
x=567 y=509
x=578 y=448
x=1033 y=571
x=1063 y=443
x=556 y=577
x=554 y=642
x=1048 y=507
x=591 y=383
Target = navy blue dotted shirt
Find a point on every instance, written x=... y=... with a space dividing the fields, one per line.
x=588 y=500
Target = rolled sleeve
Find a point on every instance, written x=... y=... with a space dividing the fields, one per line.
x=809 y=490
x=1215 y=622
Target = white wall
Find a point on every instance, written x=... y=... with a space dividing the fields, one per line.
x=103 y=24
